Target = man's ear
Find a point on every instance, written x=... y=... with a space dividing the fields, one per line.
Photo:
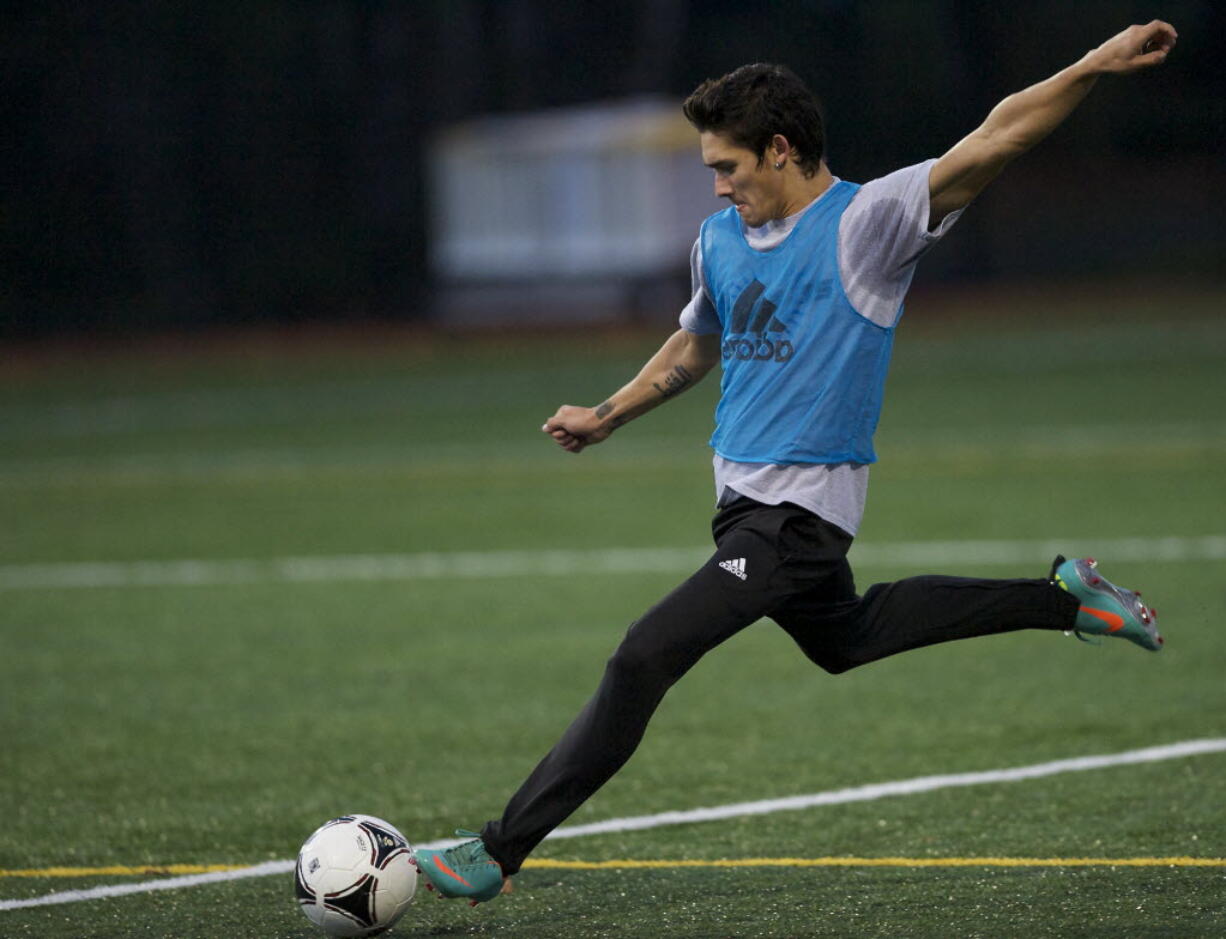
x=778 y=151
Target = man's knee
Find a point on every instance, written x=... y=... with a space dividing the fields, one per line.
x=833 y=661
x=645 y=657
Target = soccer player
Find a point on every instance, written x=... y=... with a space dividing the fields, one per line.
x=798 y=288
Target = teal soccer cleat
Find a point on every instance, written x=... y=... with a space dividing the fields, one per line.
x=467 y=870
x=1106 y=610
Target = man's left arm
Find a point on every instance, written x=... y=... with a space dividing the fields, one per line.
x=1023 y=119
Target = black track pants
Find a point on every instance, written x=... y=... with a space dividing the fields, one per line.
x=777 y=561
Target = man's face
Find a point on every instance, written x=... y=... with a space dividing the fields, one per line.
x=750 y=183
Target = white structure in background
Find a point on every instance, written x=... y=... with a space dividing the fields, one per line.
x=571 y=214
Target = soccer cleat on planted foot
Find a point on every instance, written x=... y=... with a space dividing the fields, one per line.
x=1106 y=610
x=467 y=870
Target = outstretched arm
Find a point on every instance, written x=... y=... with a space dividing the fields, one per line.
x=681 y=362
x=1023 y=119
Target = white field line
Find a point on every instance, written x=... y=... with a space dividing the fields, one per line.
x=1043 y=441
x=484 y=564
x=266 y=869
x=735 y=810
x=902 y=787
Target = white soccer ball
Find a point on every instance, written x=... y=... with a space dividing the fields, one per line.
x=356 y=876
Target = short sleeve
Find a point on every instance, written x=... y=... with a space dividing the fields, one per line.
x=882 y=235
x=699 y=315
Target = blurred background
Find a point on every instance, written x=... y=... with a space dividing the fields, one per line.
x=284 y=294
x=175 y=166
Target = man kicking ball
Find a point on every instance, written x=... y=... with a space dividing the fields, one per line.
x=798 y=288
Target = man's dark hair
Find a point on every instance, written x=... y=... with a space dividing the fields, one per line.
x=752 y=104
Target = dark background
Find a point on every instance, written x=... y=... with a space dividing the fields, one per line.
x=170 y=164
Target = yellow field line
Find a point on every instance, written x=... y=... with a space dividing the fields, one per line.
x=887 y=862
x=118 y=870
x=550 y=864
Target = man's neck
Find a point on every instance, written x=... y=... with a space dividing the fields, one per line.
x=802 y=190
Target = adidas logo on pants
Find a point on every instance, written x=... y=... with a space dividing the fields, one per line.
x=735 y=566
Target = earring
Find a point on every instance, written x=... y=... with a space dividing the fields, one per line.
x=779 y=165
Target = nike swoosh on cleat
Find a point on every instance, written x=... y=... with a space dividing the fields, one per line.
x=450 y=873
x=1114 y=621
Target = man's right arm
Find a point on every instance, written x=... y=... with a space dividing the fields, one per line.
x=682 y=361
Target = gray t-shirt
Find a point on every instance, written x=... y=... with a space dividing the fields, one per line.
x=882 y=234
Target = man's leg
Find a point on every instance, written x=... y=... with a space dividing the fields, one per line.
x=708 y=608
x=839 y=630
x=922 y=611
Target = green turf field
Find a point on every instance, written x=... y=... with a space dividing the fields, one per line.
x=453 y=598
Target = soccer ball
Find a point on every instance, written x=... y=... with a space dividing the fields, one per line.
x=356 y=875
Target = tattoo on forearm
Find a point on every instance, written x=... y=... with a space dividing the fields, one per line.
x=605 y=410
x=675 y=382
